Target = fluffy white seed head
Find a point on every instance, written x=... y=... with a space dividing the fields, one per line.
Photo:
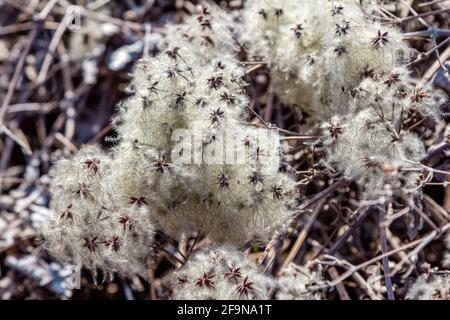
x=183 y=187
x=297 y=283
x=430 y=286
x=365 y=149
x=318 y=50
x=209 y=33
x=334 y=63
x=201 y=94
x=375 y=143
x=219 y=273
x=89 y=228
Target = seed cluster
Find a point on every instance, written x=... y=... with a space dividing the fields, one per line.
x=219 y=273
x=297 y=283
x=90 y=228
x=187 y=163
x=317 y=69
x=350 y=73
x=430 y=286
x=170 y=168
x=220 y=197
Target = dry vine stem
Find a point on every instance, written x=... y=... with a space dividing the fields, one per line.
x=421 y=243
